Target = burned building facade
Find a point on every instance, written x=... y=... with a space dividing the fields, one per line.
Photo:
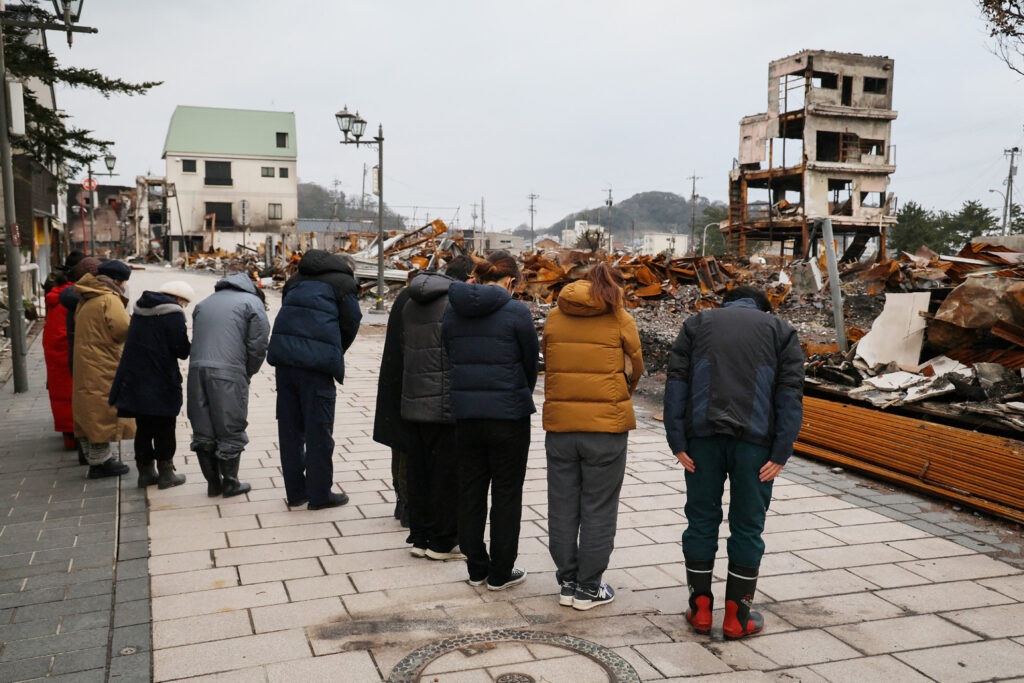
x=822 y=149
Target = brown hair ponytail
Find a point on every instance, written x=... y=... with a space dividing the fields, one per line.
x=606 y=285
x=497 y=266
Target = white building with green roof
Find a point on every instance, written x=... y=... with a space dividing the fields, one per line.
x=217 y=158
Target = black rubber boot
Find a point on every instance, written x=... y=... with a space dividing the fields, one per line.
x=698 y=580
x=229 y=472
x=740 y=620
x=208 y=464
x=111 y=468
x=167 y=478
x=147 y=474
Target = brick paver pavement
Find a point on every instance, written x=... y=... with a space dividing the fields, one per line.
x=854 y=587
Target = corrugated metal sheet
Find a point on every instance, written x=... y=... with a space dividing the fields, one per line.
x=979 y=470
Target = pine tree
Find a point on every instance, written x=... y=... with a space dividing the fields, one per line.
x=48 y=137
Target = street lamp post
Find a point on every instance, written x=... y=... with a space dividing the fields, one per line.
x=1005 y=210
x=355 y=125
x=109 y=160
x=68 y=11
x=704 y=238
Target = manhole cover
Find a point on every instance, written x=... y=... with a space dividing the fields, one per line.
x=514 y=678
x=513 y=656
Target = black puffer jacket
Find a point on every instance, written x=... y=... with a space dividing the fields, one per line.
x=738 y=372
x=427 y=373
x=148 y=381
x=323 y=266
x=388 y=426
x=493 y=348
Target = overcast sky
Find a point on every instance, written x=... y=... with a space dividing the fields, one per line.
x=564 y=99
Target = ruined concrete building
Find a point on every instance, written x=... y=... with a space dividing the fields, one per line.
x=822 y=149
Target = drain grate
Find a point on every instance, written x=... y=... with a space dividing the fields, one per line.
x=515 y=678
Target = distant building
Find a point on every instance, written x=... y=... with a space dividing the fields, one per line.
x=108 y=225
x=571 y=236
x=659 y=242
x=486 y=242
x=216 y=158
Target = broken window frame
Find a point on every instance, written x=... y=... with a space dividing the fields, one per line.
x=875 y=86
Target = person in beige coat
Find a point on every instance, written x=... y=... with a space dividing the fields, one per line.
x=101 y=324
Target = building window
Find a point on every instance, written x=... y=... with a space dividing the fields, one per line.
x=267 y=171
x=282 y=173
x=282 y=139
x=221 y=212
x=188 y=165
x=274 y=211
x=218 y=173
x=877 y=86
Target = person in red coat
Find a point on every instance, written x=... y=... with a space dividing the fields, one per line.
x=58 y=376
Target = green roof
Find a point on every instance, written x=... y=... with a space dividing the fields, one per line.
x=206 y=130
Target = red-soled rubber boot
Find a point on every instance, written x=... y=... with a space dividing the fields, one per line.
x=698 y=580
x=740 y=620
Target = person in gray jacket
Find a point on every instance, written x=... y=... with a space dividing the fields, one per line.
x=230 y=331
x=426 y=408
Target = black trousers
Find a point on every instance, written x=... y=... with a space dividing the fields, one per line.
x=491 y=455
x=432 y=483
x=154 y=438
x=305 y=430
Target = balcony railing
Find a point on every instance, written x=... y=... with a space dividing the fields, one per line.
x=217 y=181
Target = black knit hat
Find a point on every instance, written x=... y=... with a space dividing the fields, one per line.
x=115 y=270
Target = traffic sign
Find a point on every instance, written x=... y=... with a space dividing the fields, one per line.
x=89 y=184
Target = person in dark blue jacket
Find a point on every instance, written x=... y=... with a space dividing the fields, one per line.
x=493 y=348
x=318 y=321
x=147 y=385
x=733 y=408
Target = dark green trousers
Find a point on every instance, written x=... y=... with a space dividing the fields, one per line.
x=716 y=459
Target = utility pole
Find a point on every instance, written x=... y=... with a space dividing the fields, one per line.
x=608 y=203
x=336 y=184
x=483 y=223
x=532 y=197
x=1008 y=213
x=362 y=197
x=474 y=215
x=693 y=208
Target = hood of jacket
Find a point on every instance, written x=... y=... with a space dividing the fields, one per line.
x=240 y=281
x=742 y=303
x=476 y=301
x=576 y=299
x=427 y=287
x=53 y=296
x=155 y=303
x=90 y=287
x=318 y=261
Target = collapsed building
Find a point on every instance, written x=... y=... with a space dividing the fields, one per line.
x=822 y=149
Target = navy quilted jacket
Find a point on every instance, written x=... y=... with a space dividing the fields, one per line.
x=493 y=348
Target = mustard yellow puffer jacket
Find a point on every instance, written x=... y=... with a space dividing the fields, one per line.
x=592 y=365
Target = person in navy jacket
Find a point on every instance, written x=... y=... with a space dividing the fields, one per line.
x=318 y=321
x=147 y=385
x=493 y=348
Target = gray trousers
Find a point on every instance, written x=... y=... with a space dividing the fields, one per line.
x=585 y=471
x=95 y=453
x=218 y=408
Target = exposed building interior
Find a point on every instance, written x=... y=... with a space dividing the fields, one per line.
x=822 y=149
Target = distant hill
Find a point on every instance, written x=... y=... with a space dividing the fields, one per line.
x=649 y=211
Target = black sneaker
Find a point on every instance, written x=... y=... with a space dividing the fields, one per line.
x=589 y=597
x=568 y=591
x=296 y=503
x=517 y=577
x=334 y=500
x=111 y=468
x=476 y=582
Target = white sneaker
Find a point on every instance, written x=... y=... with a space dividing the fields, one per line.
x=418 y=552
x=453 y=554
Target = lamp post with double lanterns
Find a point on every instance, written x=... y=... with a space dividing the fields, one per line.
x=67 y=13
x=355 y=125
x=90 y=186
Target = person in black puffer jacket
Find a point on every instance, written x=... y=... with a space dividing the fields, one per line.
x=318 y=321
x=147 y=385
x=493 y=348
x=426 y=409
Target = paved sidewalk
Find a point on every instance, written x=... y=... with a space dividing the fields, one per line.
x=62 y=614
x=860 y=583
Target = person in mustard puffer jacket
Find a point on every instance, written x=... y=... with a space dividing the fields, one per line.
x=593 y=362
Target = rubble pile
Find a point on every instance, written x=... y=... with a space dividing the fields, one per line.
x=964 y=314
